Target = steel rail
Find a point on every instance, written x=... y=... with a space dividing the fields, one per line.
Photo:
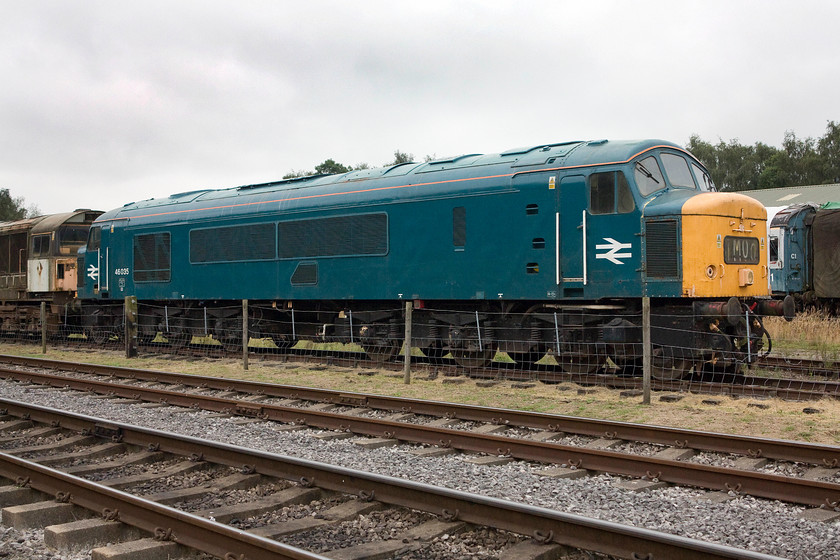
x=813 y=453
x=220 y=540
x=826 y=368
x=545 y=525
x=750 y=386
x=807 y=492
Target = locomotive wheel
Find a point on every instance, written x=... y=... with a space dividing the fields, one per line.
x=282 y=343
x=381 y=352
x=473 y=358
x=231 y=344
x=435 y=354
x=628 y=368
x=577 y=363
x=178 y=340
x=669 y=369
x=529 y=359
x=144 y=338
x=98 y=335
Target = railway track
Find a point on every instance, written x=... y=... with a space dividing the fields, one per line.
x=813 y=379
x=85 y=477
x=544 y=438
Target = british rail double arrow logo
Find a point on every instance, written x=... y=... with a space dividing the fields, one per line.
x=613 y=247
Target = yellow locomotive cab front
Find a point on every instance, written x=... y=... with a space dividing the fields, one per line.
x=724 y=246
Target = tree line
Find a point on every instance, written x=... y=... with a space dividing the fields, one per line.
x=331 y=167
x=800 y=161
x=14 y=207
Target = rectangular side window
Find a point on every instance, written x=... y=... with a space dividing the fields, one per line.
x=774 y=248
x=152 y=257
x=94 y=238
x=5 y=254
x=602 y=193
x=41 y=245
x=459 y=227
x=609 y=193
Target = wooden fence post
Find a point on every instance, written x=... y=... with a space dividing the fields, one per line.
x=409 y=307
x=245 y=337
x=131 y=326
x=43 y=327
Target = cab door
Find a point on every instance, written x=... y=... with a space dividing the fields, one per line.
x=597 y=228
x=571 y=235
x=613 y=248
x=38 y=277
x=97 y=260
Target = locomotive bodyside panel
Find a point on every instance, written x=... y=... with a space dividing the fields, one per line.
x=447 y=248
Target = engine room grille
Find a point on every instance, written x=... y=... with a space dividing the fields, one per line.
x=237 y=243
x=662 y=249
x=362 y=234
x=152 y=257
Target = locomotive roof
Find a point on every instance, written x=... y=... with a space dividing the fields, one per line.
x=19 y=225
x=53 y=221
x=49 y=222
x=446 y=176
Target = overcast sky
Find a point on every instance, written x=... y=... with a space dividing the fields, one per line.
x=107 y=102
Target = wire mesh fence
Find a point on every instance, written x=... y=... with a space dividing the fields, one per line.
x=588 y=347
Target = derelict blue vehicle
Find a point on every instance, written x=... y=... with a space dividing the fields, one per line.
x=805 y=254
x=791 y=250
x=541 y=249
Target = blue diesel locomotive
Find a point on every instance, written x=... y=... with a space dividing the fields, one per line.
x=547 y=248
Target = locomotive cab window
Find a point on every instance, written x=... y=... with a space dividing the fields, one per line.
x=774 y=247
x=94 y=238
x=609 y=193
x=676 y=168
x=648 y=176
x=41 y=245
x=703 y=179
x=70 y=239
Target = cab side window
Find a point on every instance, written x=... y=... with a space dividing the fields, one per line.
x=677 y=170
x=703 y=179
x=41 y=245
x=609 y=193
x=94 y=238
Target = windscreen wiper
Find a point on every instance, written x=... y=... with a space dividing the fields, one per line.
x=645 y=172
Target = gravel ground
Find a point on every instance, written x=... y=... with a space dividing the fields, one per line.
x=29 y=545
x=755 y=524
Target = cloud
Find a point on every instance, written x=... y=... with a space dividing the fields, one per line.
x=104 y=103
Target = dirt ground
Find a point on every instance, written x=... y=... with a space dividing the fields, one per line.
x=773 y=418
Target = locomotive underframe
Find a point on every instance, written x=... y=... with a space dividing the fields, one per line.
x=582 y=337
x=21 y=318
